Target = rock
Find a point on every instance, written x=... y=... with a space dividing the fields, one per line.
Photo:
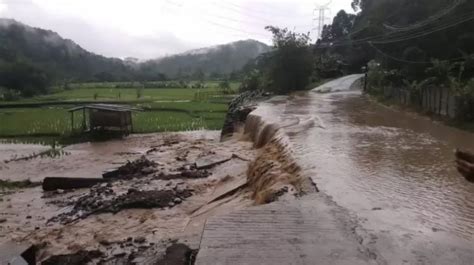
x=171 y=204
x=3 y=220
x=28 y=217
x=177 y=200
x=376 y=209
x=140 y=240
x=132 y=190
x=148 y=170
x=104 y=242
x=119 y=253
x=465 y=164
x=179 y=189
x=177 y=254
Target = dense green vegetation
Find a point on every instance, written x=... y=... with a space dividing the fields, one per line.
x=412 y=45
x=415 y=45
x=171 y=109
x=288 y=67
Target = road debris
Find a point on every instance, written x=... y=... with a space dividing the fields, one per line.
x=133 y=169
x=211 y=161
x=129 y=215
x=17 y=253
x=178 y=254
x=103 y=199
x=78 y=258
x=56 y=183
x=465 y=164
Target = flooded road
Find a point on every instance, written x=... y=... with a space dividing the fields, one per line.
x=393 y=170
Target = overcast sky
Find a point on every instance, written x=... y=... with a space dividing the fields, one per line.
x=154 y=28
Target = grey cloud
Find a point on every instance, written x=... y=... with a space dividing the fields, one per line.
x=97 y=39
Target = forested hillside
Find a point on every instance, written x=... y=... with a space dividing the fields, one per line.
x=214 y=61
x=60 y=58
x=32 y=60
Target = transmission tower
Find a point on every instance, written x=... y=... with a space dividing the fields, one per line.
x=319 y=13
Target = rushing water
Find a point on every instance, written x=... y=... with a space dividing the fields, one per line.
x=370 y=157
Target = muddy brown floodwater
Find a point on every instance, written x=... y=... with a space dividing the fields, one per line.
x=393 y=169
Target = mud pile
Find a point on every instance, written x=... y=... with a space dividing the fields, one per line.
x=129 y=251
x=137 y=168
x=103 y=199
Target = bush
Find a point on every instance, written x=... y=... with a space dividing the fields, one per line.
x=9 y=94
x=465 y=102
x=251 y=82
x=24 y=78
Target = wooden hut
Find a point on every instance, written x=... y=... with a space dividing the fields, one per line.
x=105 y=117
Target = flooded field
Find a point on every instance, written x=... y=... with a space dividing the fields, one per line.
x=166 y=199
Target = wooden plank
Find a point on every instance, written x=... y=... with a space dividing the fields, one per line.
x=55 y=183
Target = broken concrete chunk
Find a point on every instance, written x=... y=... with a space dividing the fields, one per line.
x=78 y=258
x=16 y=253
x=211 y=161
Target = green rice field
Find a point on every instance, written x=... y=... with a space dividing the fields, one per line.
x=164 y=110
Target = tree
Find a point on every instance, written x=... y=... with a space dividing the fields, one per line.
x=341 y=26
x=252 y=81
x=199 y=75
x=24 y=78
x=289 y=66
x=224 y=86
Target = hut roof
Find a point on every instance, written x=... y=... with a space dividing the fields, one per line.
x=108 y=107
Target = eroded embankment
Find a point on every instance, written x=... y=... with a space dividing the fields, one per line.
x=274 y=172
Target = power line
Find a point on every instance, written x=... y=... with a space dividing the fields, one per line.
x=413 y=35
x=421 y=34
x=215 y=23
x=236 y=10
x=260 y=12
x=236 y=29
x=395 y=58
x=429 y=20
x=406 y=61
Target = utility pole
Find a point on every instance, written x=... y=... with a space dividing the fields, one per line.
x=319 y=13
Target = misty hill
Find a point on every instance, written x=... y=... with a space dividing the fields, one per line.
x=63 y=59
x=212 y=61
x=59 y=57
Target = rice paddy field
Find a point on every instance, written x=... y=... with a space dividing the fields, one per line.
x=164 y=109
